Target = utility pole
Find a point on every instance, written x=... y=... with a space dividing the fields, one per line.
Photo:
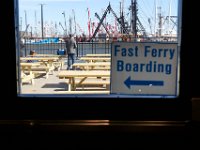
x=35 y=24
x=42 y=27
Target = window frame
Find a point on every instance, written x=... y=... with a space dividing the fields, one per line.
x=101 y=108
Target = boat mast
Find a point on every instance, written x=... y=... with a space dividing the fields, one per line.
x=155 y=18
x=160 y=17
x=134 y=17
x=169 y=17
x=74 y=21
x=135 y=21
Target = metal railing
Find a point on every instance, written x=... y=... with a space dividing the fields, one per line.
x=83 y=48
x=94 y=47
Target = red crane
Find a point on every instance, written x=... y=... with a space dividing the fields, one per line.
x=89 y=22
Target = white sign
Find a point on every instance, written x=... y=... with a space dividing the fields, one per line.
x=148 y=69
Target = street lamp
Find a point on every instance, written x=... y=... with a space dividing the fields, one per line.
x=65 y=22
x=42 y=27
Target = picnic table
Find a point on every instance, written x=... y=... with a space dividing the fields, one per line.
x=98 y=55
x=79 y=77
x=47 y=62
x=96 y=59
x=92 y=66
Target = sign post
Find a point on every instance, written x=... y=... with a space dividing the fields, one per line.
x=144 y=69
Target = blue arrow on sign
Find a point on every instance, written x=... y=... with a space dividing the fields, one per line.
x=128 y=82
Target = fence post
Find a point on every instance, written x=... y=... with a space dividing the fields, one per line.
x=92 y=47
x=105 y=45
x=25 y=46
x=77 y=50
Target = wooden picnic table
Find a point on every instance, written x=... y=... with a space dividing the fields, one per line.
x=43 y=55
x=45 y=61
x=39 y=58
x=92 y=66
x=48 y=61
x=28 y=66
x=73 y=74
x=96 y=59
x=98 y=55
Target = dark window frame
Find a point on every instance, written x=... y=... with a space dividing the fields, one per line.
x=87 y=108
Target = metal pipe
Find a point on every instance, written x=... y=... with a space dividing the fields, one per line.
x=25 y=22
x=42 y=27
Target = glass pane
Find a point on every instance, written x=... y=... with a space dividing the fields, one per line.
x=124 y=48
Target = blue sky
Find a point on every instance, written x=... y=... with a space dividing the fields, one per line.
x=53 y=9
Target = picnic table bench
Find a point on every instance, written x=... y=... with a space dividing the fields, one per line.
x=27 y=74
